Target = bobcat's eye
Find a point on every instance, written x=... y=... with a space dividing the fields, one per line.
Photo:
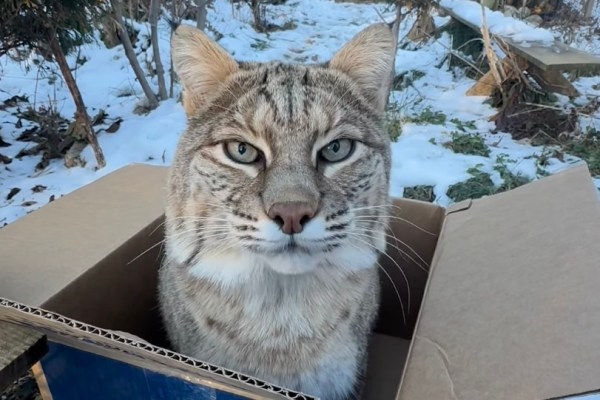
x=241 y=152
x=338 y=150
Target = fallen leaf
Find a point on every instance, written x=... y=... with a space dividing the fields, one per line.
x=38 y=188
x=5 y=159
x=114 y=126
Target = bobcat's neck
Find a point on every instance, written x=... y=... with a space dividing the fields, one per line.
x=237 y=268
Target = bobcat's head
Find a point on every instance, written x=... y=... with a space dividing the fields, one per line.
x=282 y=166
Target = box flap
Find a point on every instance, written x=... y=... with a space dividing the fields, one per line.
x=40 y=253
x=511 y=309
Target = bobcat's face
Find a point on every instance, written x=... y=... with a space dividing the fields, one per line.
x=285 y=166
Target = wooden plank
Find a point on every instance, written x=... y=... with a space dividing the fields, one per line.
x=42 y=382
x=555 y=56
x=20 y=349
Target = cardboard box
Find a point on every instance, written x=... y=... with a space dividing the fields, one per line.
x=510 y=309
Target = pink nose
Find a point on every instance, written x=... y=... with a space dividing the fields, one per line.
x=291 y=216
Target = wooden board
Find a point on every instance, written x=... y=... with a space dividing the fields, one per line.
x=555 y=56
x=20 y=349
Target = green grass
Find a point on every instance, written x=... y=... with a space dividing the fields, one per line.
x=427 y=116
x=466 y=143
x=511 y=180
x=420 y=192
x=587 y=148
x=463 y=125
x=407 y=78
x=260 y=44
x=480 y=184
x=394 y=121
x=393 y=124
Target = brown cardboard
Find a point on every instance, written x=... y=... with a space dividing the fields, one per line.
x=413 y=234
x=85 y=266
x=511 y=308
x=49 y=242
x=487 y=309
x=92 y=246
x=100 y=277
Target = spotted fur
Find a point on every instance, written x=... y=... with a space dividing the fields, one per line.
x=234 y=289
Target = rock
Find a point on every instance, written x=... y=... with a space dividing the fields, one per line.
x=491 y=4
x=510 y=11
x=534 y=20
x=524 y=12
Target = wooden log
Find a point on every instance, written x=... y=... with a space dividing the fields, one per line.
x=552 y=81
x=20 y=349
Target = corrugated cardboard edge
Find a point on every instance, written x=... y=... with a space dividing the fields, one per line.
x=116 y=346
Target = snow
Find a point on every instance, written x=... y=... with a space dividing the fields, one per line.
x=321 y=27
x=498 y=23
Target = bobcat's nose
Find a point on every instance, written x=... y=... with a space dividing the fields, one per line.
x=291 y=216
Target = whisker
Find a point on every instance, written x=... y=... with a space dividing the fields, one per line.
x=392 y=260
x=200 y=218
x=402 y=252
x=399 y=219
x=393 y=236
x=392 y=282
x=396 y=290
x=195 y=230
x=167 y=237
x=207 y=249
x=146 y=251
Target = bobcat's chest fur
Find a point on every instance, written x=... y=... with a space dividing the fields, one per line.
x=287 y=330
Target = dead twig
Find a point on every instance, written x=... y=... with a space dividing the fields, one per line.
x=498 y=74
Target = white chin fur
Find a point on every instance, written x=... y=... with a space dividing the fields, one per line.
x=344 y=258
x=291 y=264
x=240 y=267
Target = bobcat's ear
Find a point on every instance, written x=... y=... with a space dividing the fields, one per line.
x=368 y=58
x=201 y=64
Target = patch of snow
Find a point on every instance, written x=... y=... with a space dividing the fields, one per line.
x=497 y=22
x=319 y=28
x=584 y=397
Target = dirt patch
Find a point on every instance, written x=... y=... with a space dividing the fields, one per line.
x=546 y=124
x=538 y=123
x=525 y=112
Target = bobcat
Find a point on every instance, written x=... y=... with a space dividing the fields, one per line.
x=276 y=212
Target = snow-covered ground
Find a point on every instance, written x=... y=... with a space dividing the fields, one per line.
x=321 y=27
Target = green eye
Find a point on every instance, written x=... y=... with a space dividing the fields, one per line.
x=241 y=152
x=338 y=150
